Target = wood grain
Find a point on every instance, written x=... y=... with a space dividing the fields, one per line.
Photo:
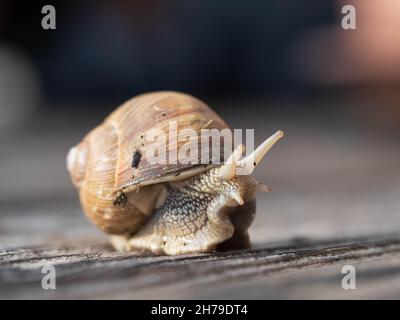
x=335 y=201
x=99 y=272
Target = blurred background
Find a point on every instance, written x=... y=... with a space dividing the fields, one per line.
x=266 y=65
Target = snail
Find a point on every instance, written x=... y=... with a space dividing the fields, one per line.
x=165 y=208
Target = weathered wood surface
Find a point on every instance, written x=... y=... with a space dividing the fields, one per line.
x=98 y=272
x=335 y=201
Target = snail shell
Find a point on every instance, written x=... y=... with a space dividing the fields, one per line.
x=101 y=165
x=155 y=206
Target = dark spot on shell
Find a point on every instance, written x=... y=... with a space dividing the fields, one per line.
x=254 y=163
x=142 y=144
x=120 y=200
x=136 y=158
x=177 y=174
x=141 y=136
x=164 y=114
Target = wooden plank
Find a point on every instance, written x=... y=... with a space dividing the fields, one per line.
x=100 y=272
x=334 y=201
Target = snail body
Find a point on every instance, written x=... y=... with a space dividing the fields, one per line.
x=168 y=207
